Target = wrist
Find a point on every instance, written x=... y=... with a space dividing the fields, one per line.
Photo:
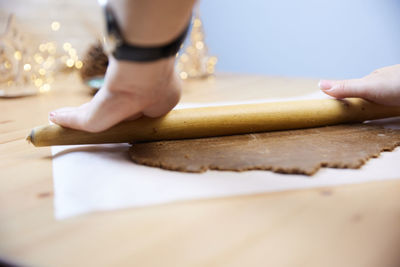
x=150 y=22
x=122 y=48
x=128 y=76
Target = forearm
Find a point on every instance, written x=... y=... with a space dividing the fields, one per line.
x=152 y=22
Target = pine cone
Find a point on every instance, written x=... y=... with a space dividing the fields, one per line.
x=95 y=62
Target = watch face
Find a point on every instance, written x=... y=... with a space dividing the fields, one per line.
x=109 y=44
x=112 y=36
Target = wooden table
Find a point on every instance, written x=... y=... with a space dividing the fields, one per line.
x=356 y=225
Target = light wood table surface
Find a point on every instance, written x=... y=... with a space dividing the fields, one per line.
x=353 y=225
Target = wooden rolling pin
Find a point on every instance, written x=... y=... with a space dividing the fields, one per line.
x=221 y=120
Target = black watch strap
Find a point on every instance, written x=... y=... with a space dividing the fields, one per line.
x=131 y=52
x=125 y=51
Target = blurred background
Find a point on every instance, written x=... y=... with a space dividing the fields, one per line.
x=308 y=38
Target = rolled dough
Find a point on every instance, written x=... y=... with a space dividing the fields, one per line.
x=296 y=151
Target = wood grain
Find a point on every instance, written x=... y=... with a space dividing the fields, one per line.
x=353 y=225
x=221 y=121
x=342 y=226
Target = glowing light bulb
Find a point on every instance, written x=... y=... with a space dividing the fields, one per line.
x=199 y=45
x=78 y=64
x=27 y=67
x=44 y=88
x=55 y=26
x=67 y=46
x=17 y=55
x=70 y=63
x=183 y=75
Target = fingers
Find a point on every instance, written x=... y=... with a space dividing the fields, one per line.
x=382 y=86
x=130 y=91
x=134 y=117
x=345 y=88
x=103 y=111
x=72 y=117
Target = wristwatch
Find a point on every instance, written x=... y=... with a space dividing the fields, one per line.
x=121 y=50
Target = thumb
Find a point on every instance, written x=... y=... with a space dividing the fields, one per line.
x=344 y=88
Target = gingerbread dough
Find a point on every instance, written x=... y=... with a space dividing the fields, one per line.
x=296 y=151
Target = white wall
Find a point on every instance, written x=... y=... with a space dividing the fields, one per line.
x=312 y=38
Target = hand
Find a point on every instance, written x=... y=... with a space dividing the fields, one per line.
x=130 y=90
x=381 y=86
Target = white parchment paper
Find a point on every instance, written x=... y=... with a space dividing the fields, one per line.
x=102 y=177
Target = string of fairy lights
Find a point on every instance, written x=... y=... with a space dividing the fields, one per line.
x=27 y=69
x=194 y=61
